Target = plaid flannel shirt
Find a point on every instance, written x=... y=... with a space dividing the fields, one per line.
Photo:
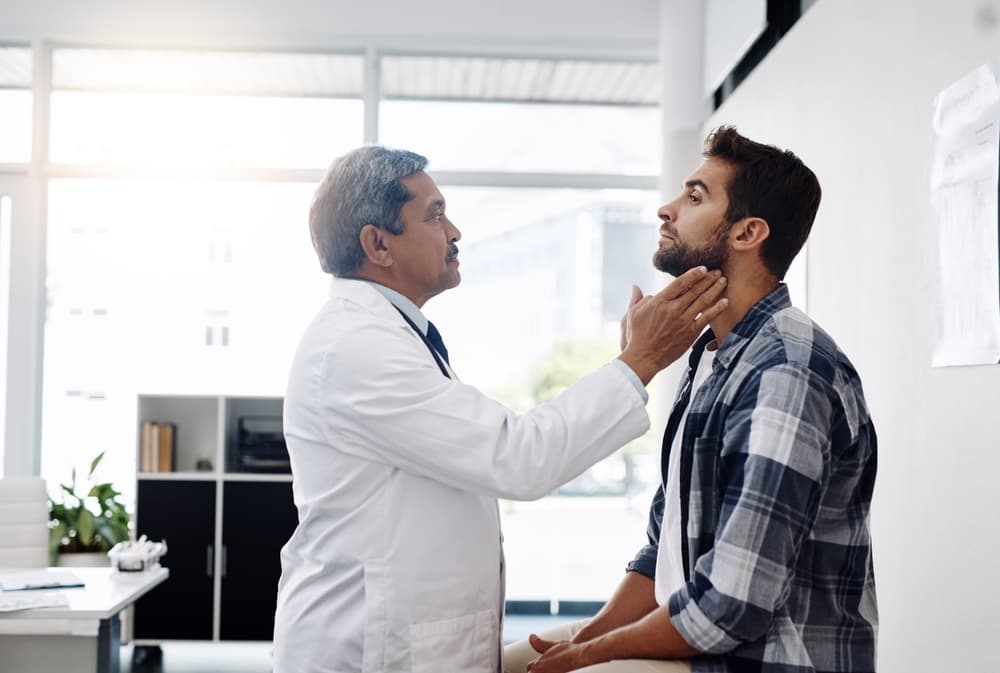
x=777 y=470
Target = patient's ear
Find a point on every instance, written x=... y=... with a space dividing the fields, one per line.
x=749 y=233
x=374 y=241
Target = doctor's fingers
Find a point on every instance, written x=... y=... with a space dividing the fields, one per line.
x=705 y=299
x=683 y=283
x=681 y=310
x=700 y=299
x=687 y=294
x=694 y=289
x=626 y=325
x=662 y=329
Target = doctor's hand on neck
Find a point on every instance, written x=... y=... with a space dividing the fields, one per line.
x=659 y=328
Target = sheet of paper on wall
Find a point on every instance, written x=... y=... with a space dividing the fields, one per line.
x=965 y=178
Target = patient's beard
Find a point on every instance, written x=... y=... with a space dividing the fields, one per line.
x=679 y=257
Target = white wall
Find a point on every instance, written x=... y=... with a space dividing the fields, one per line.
x=850 y=89
x=427 y=25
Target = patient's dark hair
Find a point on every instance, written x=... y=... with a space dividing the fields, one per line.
x=771 y=184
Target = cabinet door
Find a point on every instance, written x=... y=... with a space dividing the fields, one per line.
x=257 y=520
x=183 y=514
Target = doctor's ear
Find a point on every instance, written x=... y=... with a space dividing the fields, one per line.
x=374 y=241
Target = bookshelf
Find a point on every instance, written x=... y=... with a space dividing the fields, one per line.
x=225 y=518
x=206 y=428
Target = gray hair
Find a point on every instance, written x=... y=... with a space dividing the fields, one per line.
x=362 y=187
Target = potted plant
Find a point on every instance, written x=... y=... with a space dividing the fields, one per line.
x=88 y=519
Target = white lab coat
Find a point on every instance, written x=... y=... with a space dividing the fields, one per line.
x=396 y=564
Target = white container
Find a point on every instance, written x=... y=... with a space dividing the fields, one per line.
x=136 y=556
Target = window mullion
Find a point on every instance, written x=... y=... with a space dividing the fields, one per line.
x=371 y=92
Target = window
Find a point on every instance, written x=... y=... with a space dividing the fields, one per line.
x=187 y=266
x=179 y=260
x=574 y=252
x=195 y=110
x=548 y=168
x=5 y=224
x=523 y=115
x=524 y=137
x=15 y=126
x=137 y=270
x=195 y=132
x=15 y=104
x=15 y=154
x=546 y=274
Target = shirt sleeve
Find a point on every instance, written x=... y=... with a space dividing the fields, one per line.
x=645 y=561
x=379 y=396
x=633 y=378
x=774 y=467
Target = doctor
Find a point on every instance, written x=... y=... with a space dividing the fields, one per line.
x=396 y=564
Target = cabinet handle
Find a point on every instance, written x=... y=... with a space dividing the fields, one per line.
x=224 y=555
x=209 y=560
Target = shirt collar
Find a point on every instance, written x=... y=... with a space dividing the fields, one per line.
x=402 y=303
x=745 y=329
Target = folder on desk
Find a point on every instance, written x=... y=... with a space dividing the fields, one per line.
x=38 y=579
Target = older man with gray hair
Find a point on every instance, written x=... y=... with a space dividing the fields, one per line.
x=397 y=563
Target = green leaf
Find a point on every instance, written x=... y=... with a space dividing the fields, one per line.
x=56 y=536
x=94 y=463
x=72 y=522
x=85 y=527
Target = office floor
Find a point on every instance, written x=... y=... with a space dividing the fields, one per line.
x=194 y=657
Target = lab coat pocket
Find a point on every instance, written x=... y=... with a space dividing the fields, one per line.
x=470 y=643
x=377 y=599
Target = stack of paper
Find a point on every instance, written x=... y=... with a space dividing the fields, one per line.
x=9 y=602
x=38 y=579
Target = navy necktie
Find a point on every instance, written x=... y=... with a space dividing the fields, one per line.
x=435 y=338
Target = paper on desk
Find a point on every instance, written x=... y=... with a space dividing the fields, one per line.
x=26 y=600
x=38 y=579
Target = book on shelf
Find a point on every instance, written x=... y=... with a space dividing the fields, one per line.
x=157 y=446
x=165 y=446
x=146 y=446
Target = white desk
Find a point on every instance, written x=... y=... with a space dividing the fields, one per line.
x=85 y=636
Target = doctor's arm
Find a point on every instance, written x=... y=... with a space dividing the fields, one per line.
x=403 y=413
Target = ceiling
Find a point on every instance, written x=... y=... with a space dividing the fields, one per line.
x=446 y=77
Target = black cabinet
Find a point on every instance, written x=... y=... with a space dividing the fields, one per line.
x=257 y=520
x=183 y=514
x=224 y=526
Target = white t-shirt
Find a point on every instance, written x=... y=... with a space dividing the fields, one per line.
x=669 y=559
